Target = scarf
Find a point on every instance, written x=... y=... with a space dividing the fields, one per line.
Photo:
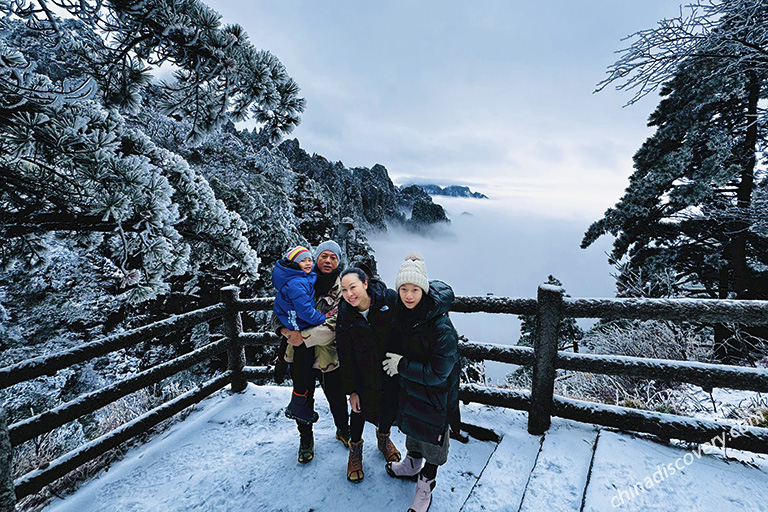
x=325 y=281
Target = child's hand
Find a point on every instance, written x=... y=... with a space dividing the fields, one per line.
x=331 y=312
x=293 y=338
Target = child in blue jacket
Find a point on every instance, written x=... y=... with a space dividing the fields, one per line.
x=295 y=307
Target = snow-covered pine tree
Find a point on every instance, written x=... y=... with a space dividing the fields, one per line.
x=689 y=203
x=73 y=167
x=681 y=210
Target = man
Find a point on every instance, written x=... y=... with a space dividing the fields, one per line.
x=322 y=349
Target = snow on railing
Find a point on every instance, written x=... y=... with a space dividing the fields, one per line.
x=550 y=307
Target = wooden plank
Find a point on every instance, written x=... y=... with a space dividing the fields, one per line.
x=637 y=475
x=559 y=478
x=507 y=469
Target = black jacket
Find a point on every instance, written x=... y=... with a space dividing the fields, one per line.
x=361 y=345
x=429 y=369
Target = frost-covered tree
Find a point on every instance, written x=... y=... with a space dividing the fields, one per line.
x=74 y=165
x=689 y=206
x=568 y=333
x=219 y=74
x=732 y=33
x=681 y=211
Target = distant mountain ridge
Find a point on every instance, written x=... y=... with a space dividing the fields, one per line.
x=367 y=195
x=450 y=191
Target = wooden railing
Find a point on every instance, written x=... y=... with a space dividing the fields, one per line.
x=17 y=433
x=541 y=403
x=550 y=307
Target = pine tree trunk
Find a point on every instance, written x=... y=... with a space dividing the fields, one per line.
x=726 y=349
x=741 y=273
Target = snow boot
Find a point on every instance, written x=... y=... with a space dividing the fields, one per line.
x=391 y=454
x=342 y=434
x=423 y=498
x=355 y=465
x=301 y=408
x=306 y=446
x=407 y=469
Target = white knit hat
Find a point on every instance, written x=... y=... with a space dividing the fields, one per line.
x=413 y=270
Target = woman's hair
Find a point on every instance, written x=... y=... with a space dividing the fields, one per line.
x=357 y=271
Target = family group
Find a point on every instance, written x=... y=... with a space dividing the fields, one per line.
x=391 y=353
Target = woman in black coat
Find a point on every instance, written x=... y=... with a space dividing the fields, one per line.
x=426 y=358
x=362 y=332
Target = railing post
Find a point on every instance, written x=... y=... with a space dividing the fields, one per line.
x=233 y=327
x=550 y=307
x=7 y=491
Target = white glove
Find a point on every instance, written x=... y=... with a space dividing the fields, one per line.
x=390 y=363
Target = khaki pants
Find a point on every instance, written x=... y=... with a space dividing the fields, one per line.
x=321 y=337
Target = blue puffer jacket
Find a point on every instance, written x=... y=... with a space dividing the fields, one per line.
x=295 y=299
x=429 y=369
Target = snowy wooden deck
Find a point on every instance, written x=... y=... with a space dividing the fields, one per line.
x=238 y=452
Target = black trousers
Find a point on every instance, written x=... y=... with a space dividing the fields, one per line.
x=388 y=412
x=304 y=378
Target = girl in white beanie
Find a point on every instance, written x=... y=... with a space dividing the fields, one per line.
x=425 y=355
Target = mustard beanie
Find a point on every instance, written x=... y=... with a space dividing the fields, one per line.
x=413 y=270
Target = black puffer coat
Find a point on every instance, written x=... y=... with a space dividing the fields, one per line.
x=361 y=345
x=429 y=369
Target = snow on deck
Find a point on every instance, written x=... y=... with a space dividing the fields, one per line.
x=238 y=452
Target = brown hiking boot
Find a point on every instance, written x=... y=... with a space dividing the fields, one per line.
x=387 y=447
x=355 y=464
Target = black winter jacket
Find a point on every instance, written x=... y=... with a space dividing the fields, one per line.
x=429 y=369
x=361 y=345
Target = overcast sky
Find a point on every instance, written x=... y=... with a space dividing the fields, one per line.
x=494 y=94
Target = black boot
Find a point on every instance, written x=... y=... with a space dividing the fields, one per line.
x=302 y=408
x=459 y=436
x=306 y=444
x=342 y=434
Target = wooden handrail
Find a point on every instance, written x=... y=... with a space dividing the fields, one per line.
x=706 y=375
x=49 y=365
x=708 y=311
x=46 y=421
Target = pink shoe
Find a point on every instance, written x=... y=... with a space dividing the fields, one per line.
x=407 y=468
x=423 y=498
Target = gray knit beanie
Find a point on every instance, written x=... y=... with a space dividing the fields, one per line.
x=413 y=270
x=328 y=245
